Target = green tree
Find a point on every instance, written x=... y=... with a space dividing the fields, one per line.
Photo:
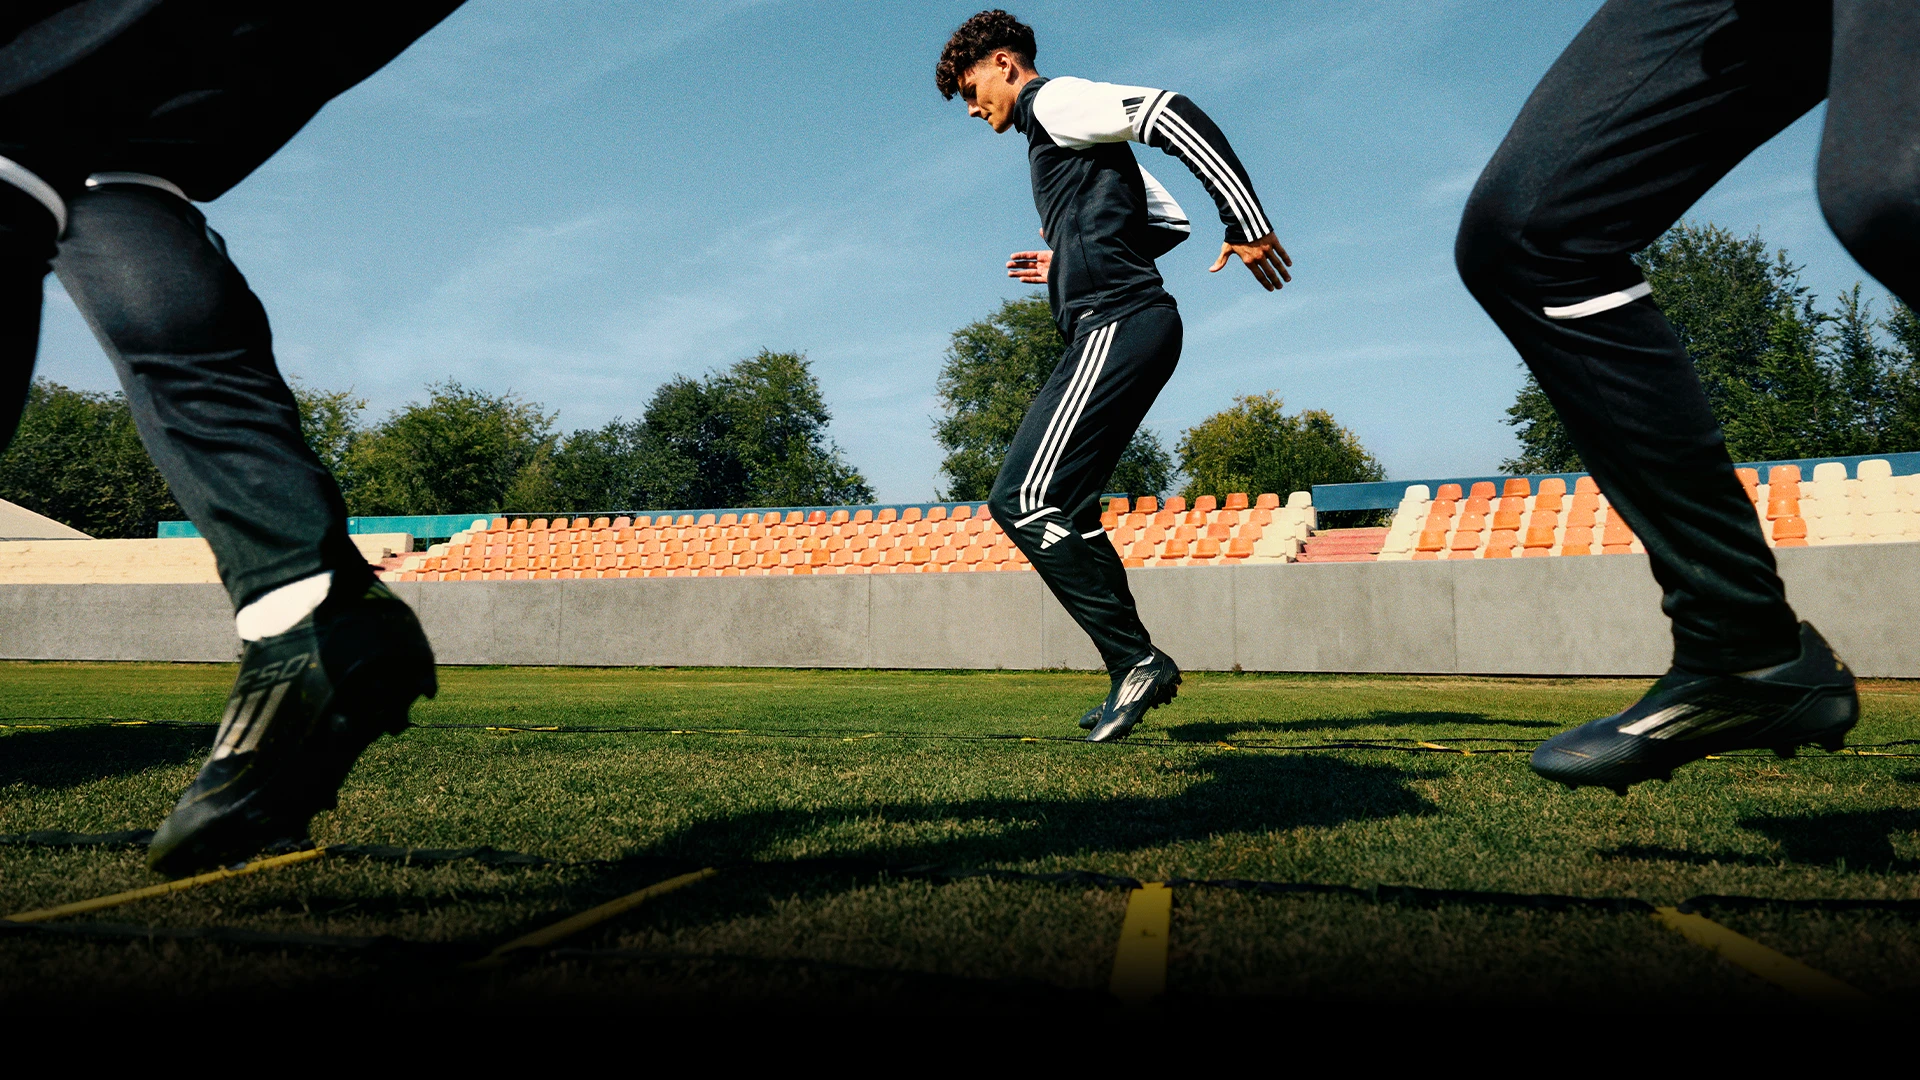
x=1545 y=445
x=775 y=423
x=1255 y=446
x=1784 y=378
x=1146 y=468
x=461 y=451
x=330 y=422
x=754 y=434
x=994 y=369
x=1902 y=425
x=77 y=459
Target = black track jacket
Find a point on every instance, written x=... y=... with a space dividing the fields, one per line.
x=1104 y=216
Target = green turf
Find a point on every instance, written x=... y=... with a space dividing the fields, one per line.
x=891 y=767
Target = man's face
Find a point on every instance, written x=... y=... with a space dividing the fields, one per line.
x=991 y=88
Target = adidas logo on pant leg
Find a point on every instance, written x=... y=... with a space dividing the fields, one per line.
x=1051 y=535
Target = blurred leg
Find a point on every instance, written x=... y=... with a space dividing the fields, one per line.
x=27 y=229
x=195 y=356
x=1870 y=151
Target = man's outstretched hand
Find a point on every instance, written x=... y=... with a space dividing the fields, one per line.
x=1267 y=260
x=1029 y=266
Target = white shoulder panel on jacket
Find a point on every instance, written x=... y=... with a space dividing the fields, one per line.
x=1079 y=113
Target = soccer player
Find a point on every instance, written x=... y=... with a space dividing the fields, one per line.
x=1651 y=104
x=1105 y=221
x=114 y=114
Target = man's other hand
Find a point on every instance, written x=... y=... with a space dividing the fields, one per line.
x=1265 y=258
x=1029 y=266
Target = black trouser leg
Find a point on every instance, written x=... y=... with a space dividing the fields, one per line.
x=195 y=356
x=1047 y=495
x=26 y=248
x=1649 y=106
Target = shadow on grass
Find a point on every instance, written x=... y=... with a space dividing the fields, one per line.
x=1235 y=795
x=1225 y=731
x=1850 y=840
x=69 y=757
x=1251 y=794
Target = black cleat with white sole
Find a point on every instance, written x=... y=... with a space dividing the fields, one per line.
x=1147 y=685
x=305 y=705
x=1685 y=717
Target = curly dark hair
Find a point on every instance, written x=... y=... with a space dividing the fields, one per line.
x=977 y=39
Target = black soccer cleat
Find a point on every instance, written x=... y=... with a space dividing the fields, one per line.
x=1092 y=716
x=306 y=704
x=1685 y=717
x=1147 y=685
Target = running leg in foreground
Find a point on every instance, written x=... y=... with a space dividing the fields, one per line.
x=111 y=119
x=1653 y=103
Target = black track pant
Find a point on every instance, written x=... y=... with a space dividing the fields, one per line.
x=1653 y=103
x=195 y=356
x=1047 y=495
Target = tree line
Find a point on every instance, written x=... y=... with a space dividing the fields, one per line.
x=753 y=434
x=1787 y=378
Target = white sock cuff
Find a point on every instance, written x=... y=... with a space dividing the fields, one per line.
x=277 y=611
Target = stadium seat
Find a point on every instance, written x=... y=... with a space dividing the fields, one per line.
x=1448 y=493
x=1874 y=469
x=1205 y=504
x=1236 y=500
x=1781 y=474
x=1516 y=486
x=1268 y=501
x=1299 y=500
x=1239 y=548
x=1146 y=504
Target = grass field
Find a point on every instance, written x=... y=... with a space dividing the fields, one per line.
x=783 y=769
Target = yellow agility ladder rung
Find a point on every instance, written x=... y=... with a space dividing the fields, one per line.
x=1780 y=970
x=79 y=907
x=1140 y=962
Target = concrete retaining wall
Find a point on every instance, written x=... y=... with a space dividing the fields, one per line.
x=1557 y=616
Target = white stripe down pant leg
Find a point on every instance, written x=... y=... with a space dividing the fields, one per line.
x=1048 y=492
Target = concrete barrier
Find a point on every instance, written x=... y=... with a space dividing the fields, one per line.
x=1558 y=616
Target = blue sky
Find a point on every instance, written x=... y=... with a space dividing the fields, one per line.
x=578 y=200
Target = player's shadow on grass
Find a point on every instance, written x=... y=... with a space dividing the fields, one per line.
x=1854 y=840
x=1227 y=730
x=71 y=756
x=1251 y=794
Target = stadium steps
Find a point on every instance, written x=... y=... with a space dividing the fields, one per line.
x=1344 y=545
